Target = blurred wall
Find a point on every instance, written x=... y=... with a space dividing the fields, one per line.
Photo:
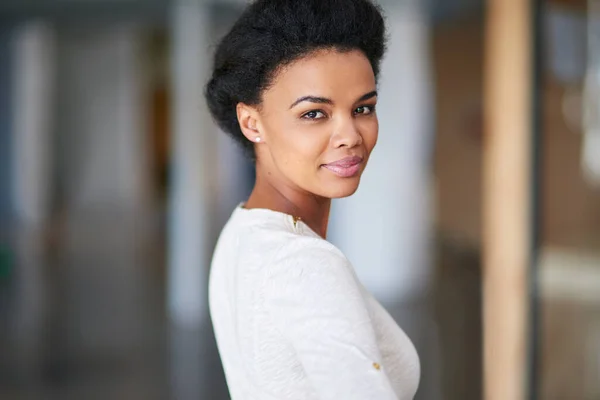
x=103 y=147
x=571 y=216
x=570 y=221
x=33 y=87
x=5 y=128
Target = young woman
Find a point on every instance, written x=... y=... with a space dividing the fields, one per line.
x=294 y=82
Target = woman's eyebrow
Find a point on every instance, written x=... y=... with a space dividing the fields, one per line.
x=312 y=99
x=324 y=100
x=367 y=96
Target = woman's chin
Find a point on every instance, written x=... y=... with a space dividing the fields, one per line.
x=345 y=189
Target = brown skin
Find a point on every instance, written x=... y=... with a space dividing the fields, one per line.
x=296 y=141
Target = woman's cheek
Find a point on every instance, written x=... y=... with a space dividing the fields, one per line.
x=310 y=143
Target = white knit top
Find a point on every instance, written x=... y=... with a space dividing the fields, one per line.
x=292 y=321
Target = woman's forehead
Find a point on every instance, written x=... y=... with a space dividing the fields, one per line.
x=327 y=73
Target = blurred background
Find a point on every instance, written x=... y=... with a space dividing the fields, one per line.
x=114 y=184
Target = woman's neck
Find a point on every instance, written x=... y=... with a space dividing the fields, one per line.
x=311 y=209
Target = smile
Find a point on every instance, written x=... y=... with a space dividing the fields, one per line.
x=346 y=167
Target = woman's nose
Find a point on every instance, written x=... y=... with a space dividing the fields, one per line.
x=347 y=134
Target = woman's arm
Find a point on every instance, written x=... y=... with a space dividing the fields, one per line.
x=313 y=297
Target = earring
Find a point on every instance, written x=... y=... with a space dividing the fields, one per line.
x=257 y=140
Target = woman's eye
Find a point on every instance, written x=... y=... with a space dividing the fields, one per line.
x=315 y=114
x=364 y=110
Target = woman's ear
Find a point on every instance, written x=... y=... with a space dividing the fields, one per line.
x=248 y=120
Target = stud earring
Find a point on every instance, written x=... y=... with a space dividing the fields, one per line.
x=257 y=140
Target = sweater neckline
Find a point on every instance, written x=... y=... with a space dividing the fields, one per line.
x=296 y=225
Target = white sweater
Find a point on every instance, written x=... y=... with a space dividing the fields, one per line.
x=292 y=321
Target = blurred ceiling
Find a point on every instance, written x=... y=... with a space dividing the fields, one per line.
x=441 y=10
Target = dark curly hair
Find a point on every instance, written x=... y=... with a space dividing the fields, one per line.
x=274 y=33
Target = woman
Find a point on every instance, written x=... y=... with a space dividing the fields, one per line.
x=294 y=82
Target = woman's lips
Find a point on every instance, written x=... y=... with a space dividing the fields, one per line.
x=346 y=167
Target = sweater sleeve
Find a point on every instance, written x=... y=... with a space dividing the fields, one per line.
x=313 y=298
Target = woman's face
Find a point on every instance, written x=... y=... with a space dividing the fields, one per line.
x=317 y=123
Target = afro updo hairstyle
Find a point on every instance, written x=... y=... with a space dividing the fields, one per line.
x=271 y=34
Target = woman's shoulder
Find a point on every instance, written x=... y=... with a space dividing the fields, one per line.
x=279 y=240
x=308 y=248
x=309 y=259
